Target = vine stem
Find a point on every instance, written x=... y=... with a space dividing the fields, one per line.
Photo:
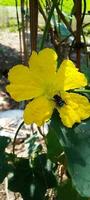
x=47 y=24
x=40 y=131
x=81 y=90
x=14 y=141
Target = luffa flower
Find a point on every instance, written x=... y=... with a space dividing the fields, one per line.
x=47 y=89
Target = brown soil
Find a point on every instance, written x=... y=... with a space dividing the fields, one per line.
x=9 y=50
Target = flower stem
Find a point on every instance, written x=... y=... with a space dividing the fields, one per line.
x=14 y=141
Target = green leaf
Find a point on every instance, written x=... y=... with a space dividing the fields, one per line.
x=86 y=71
x=76 y=144
x=4 y=166
x=32 y=182
x=65 y=191
x=33 y=144
x=77 y=148
x=44 y=170
x=37 y=190
x=63 y=30
x=21 y=178
x=54 y=147
x=4 y=141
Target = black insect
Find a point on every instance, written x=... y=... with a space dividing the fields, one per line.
x=58 y=100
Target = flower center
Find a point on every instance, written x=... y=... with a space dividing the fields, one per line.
x=58 y=100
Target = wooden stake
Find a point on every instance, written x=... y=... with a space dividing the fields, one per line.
x=33 y=6
x=78 y=31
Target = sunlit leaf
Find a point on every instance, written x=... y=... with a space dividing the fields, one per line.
x=54 y=147
x=76 y=144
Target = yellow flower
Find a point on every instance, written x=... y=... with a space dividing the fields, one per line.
x=47 y=89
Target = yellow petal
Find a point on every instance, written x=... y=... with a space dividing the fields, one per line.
x=38 y=111
x=45 y=60
x=44 y=65
x=33 y=60
x=22 y=84
x=75 y=109
x=17 y=73
x=27 y=83
x=68 y=76
x=68 y=116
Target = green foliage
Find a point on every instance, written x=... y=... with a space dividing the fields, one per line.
x=21 y=178
x=12 y=25
x=4 y=167
x=66 y=191
x=32 y=181
x=77 y=147
x=4 y=141
x=76 y=144
x=33 y=145
x=86 y=71
x=44 y=170
x=33 y=176
x=67 y=4
x=54 y=148
x=64 y=32
x=8 y=3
